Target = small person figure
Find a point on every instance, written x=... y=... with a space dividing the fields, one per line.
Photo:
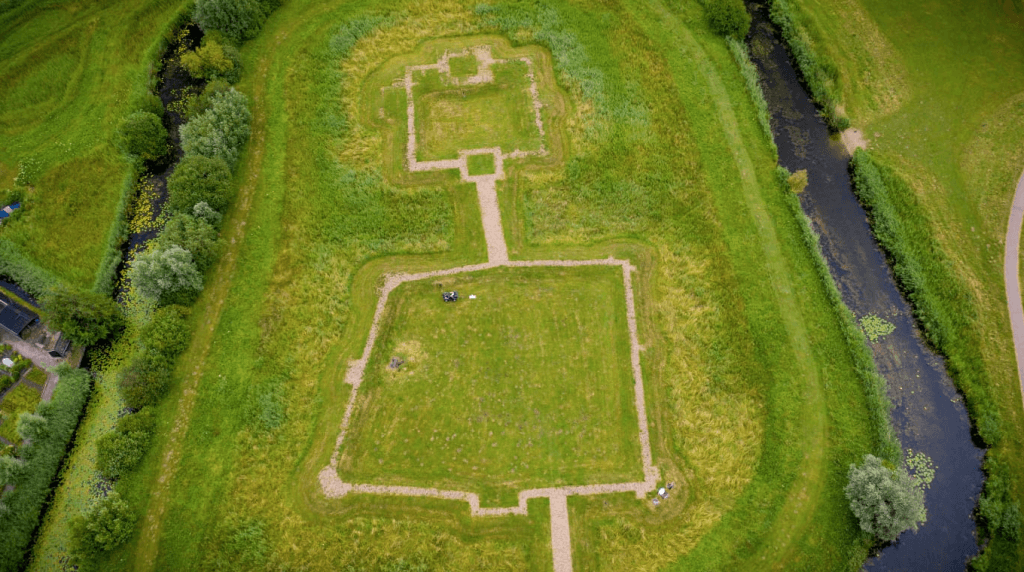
x=656 y=501
x=662 y=493
x=670 y=485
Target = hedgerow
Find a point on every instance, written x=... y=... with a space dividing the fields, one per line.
x=42 y=458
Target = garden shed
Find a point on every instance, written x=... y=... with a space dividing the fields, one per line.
x=14 y=317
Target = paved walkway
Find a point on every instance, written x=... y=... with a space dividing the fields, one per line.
x=1011 y=278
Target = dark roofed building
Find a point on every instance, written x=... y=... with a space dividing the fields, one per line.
x=14 y=317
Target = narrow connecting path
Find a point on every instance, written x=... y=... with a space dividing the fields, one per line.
x=1011 y=278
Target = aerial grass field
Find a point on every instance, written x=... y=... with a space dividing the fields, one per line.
x=528 y=385
x=939 y=97
x=754 y=406
x=67 y=73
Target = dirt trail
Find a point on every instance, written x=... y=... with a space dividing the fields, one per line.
x=212 y=302
x=1011 y=277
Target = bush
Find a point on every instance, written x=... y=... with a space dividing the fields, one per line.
x=194 y=235
x=10 y=470
x=999 y=513
x=106 y=526
x=728 y=18
x=237 y=19
x=85 y=317
x=142 y=134
x=885 y=501
x=33 y=427
x=199 y=179
x=145 y=380
x=220 y=131
x=167 y=276
x=119 y=452
x=203 y=211
x=167 y=334
x=42 y=458
x=214 y=61
x=198 y=104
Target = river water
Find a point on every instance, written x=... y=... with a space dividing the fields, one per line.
x=929 y=415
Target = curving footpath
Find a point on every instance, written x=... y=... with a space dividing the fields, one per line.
x=1011 y=278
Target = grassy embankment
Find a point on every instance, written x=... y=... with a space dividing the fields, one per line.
x=936 y=88
x=67 y=74
x=754 y=404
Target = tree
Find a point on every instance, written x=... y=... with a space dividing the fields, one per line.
x=885 y=501
x=166 y=275
x=213 y=60
x=199 y=179
x=10 y=470
x=203 y=211
x=238 y=19
x=167 y=334
x=145 y=380
x=118 y=453
x=728 y=17
x=199 y=104
x=221 y=131
x=194 y=235
x=108 y=525
x=143 y=134
x=85 y=317
x=32 y=427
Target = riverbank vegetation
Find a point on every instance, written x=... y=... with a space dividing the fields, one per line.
x=949 y=153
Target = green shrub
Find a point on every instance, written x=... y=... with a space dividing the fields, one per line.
x=167 y=334
x=106 y=526
x=199 y=179
x=885 y=501
x=119 y=452
x=728 y=18
x=143 y=134
x=85 y=317
x=11 y=469
x=237 y=19
x=198 y=104
x=204 y=211
x=214 y=60
x=167 y=276
x=32 y=426
x=999 y=513
x=42 y=458
x=220 y=131
x=144 y=381
x=194 y=235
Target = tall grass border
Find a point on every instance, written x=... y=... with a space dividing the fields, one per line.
x=741 y=54
x=887 y=443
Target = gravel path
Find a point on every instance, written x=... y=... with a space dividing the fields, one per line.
x=1011 y=277
x=497 y=256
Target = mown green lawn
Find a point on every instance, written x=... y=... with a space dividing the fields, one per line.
x=938 y=89
x=754 y=408
x=67 y=72
x=527 y=386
